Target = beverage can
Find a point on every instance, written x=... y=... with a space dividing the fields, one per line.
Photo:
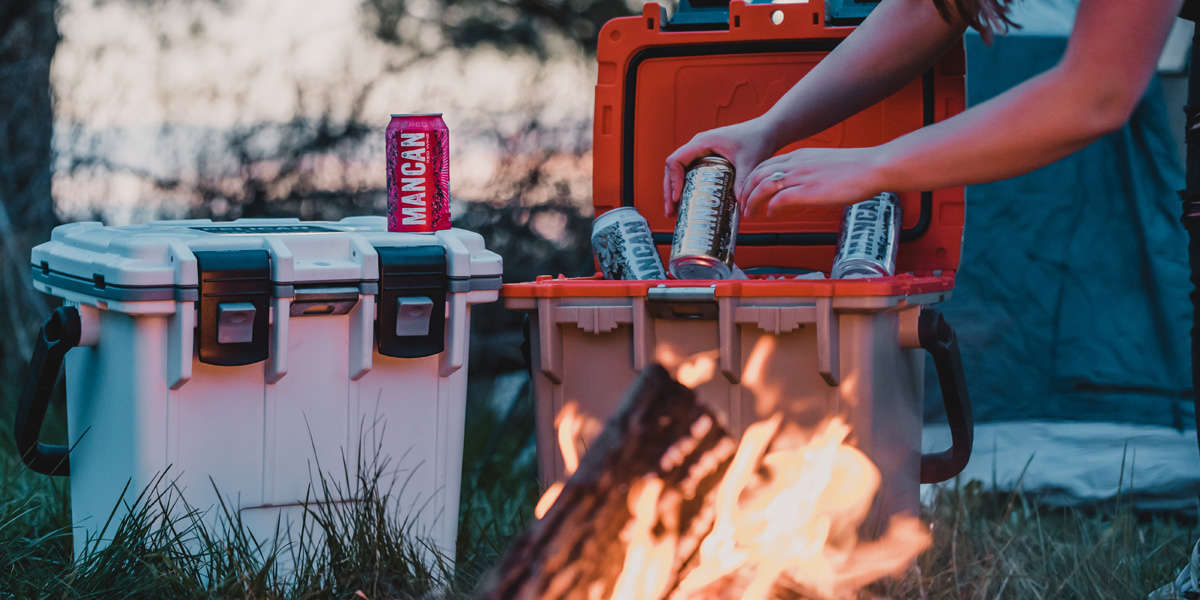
x=706 y=230
x=624 y=246
x=418 y=173
x=869 y=240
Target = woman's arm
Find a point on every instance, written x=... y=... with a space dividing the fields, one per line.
x=1112 y=53
x=893 y=46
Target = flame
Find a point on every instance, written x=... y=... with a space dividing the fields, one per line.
x=756 y=362
x=569 y=423
x=547 y=500
x=649 y=559
x=787 y=512
x=697 y=369
x=785 y=515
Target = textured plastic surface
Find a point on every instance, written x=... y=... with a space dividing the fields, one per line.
x=807 y=357
x=144 y=260
x=820 y=348
x=656 y=88
x=887 y=289
x=405 y=277
x=138 y=400
x=235 y=291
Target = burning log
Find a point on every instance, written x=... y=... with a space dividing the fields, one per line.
x=666 y=505
x=661 y=448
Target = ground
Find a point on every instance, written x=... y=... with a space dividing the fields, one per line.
x=986 y=545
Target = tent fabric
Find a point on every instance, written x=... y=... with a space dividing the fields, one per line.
x=1071 y=304
x=1071 y=299
x=1068 y=464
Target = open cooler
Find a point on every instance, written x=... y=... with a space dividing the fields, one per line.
x=817 y=348
x=252 y=356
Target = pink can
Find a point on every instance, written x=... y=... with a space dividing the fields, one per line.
x=418 y=173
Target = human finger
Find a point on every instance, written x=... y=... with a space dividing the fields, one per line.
x=785 y=198
x=755 y=176
x=677 y=162
x=768 y=168
x=766 y=187
x=667 y=189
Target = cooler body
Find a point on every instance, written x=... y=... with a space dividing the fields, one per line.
x=252 y=358
x=749 y=349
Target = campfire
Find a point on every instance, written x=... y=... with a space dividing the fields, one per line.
x=667 y=504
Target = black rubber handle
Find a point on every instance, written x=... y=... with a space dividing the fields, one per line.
x=938 y=339
x=59 y=334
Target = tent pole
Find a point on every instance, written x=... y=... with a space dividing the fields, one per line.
x=1191 y=210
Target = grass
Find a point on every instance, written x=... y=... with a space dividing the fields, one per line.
x=986 y=545
x=164 y=549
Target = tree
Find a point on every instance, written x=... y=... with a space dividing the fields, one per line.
x=507 y=24
x=28 y=37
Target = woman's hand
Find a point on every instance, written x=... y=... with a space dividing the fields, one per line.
x=744 y=144
x=811 y=177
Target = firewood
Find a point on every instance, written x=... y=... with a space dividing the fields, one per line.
x=661 y=447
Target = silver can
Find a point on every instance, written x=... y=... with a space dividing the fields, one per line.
x=624 y=246
x=706 y=231
x=869 y=240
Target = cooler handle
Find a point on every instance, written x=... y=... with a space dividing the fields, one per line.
x=938 y=339
x=60 y=333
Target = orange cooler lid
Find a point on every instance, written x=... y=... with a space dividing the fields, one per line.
x=657 y=86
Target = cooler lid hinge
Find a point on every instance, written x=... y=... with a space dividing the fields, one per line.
x=235 y=301
x=413 y=283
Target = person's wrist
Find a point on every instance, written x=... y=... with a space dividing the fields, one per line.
x=880 y=163
x=768 y=133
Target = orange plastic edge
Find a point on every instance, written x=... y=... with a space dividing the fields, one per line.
x=597 y=287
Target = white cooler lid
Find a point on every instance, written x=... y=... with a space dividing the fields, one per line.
x=156 y=261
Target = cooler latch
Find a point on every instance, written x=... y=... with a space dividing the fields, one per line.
x=235 y=300
x=412 y=301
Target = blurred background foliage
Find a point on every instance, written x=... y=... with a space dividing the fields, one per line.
x=509 y=24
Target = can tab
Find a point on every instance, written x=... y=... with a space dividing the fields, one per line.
x=412 y=301
x=235 y=295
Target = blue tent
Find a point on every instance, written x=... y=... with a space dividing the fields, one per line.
x=1071 y=304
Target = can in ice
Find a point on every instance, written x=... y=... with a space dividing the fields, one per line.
x=624 y=246
x=706 y=231
x=418 y=173
x=869 y=240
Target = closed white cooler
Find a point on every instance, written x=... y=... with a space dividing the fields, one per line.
x=251 y=351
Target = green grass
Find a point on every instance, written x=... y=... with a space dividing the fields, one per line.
x=985 y=545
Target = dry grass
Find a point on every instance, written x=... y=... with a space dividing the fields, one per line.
x=992 y=546
x=986 y=545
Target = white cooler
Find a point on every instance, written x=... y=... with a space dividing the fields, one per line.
x=250 y=351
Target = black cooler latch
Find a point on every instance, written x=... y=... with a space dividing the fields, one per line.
x=412 y=301
x=235 y=300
